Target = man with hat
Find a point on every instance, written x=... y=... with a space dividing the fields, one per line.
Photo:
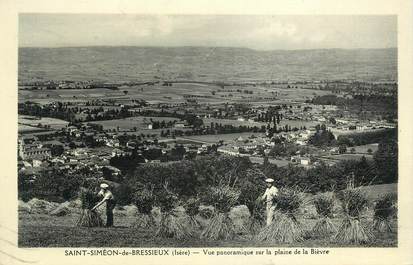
x=110 y=203
x=268 y=197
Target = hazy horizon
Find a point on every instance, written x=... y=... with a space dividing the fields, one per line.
x=256 y=32
x=206 y=47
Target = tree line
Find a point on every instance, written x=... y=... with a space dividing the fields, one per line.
x=190 y=177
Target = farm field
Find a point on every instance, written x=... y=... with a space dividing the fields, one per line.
x=204 y=64
x=140 y=123
x=350 y=156
x=363 y=149
x=207 y=121
x=292 y=123
x=170 y=181
x=71 y=95
x=157 y=93
x=22 y=128
x=338 y=132
x=298 y=123
x=43 y=230
x=217 y=137
x=30 y=123
x=297 y=94
x=92 y=107
x=47 y=234
x=278 y=162
x=376 y=191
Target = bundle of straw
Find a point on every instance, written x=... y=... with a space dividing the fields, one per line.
x=324 y=204
x=251 y=190
x=206 y=213
x=384 y=209
x=221 y=226
x=89 y=218
x=192 y=210
x=351 y=230
x=171 y=226
x=285 y=228
x=257 y=218
x=144 y=201
x=223 y=198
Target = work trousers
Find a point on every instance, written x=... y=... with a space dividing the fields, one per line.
x=110 y=205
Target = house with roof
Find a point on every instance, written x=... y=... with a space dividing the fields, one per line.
x=30 y=153
x=305 y=161
x=229 y=150
x=180 y=124
x=113 y=142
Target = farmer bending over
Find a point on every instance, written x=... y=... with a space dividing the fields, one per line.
x=110 y=203
x=268 y=197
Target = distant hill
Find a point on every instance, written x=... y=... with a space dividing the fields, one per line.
x=204 y=64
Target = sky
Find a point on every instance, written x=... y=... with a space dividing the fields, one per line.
x=247 y=31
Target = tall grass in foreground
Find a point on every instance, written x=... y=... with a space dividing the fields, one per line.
x=384 y=209
x=89 y=218
x=352 y=230
x=324 y=204
x=220 y=225
x=285 y=228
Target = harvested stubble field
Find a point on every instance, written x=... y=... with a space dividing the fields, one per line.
x=40 y=229
x=46 y=231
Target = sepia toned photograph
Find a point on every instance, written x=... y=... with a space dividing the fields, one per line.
x=207 y=130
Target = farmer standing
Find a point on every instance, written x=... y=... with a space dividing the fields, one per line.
x=268 y=197
x=110 y=203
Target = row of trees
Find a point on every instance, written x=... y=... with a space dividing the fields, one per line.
x=51 y=111
x=61 y=111
x=363 y=138
x=187 y=178
x=190 y=177
x=324 y=137
x=366 y=106
x=128 y=163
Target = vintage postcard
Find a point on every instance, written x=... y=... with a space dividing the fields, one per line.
x=230 y=135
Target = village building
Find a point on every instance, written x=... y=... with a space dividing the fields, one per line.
x=29 y=149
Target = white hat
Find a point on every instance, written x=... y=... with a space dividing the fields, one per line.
x=104 y=185
x=269 y=180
